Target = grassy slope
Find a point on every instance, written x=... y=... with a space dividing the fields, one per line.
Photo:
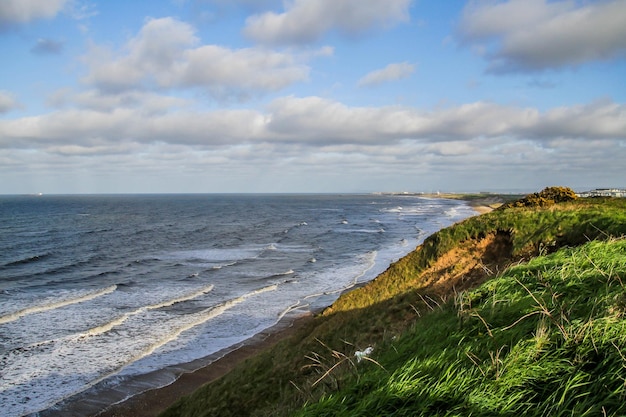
x=542 y=337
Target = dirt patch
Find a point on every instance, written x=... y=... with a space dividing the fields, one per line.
x=469 y=264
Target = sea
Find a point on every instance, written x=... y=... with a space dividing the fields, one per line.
x=105 y=296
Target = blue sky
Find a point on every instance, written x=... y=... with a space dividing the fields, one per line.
x=311 y=95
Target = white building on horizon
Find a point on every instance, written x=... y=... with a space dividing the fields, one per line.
x=604 y=192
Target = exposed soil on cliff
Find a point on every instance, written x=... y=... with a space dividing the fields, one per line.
x=469 y=264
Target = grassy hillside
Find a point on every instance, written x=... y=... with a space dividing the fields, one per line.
x=546 y=338
x=543 y=334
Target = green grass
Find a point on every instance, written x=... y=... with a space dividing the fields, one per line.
x=544 y=337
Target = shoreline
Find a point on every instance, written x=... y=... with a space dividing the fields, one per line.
x=154 y=401
x=481 y=209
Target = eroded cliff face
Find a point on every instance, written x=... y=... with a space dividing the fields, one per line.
x=466 y=265
x=469 y=264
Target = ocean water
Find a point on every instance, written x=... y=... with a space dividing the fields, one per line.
x=102 y=297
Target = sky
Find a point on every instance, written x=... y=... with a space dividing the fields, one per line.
x=311 y=96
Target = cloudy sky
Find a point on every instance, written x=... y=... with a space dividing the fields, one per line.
x=118 y=96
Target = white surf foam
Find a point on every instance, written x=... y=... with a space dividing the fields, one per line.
x=120 y=320
x=52 y=373
x=52 y=305
x=189 y=322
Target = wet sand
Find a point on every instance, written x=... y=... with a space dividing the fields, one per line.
x=155 y=401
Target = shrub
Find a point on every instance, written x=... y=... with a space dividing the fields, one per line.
x=547 y=197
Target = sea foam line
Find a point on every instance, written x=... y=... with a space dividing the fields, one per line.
x=188 y=297
x=201 y=318
x=121 y=319
x=54 y=305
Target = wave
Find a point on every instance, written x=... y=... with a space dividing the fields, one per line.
x=38 y=347
x=369 y=260
x=64 y=281
x=298 y=305
x=203 y=317
x=7 y=318
x=44 y=346
x=118 y=321
x=144 y=261
x=220 y=266
x=379 y=230
x=288 y=247
x=216 y=256
x=66 y=267
x=187 y=297
x=301 y=224
x=411 y=210
x=393 y=210
x=95 y=331
x=452 y=212
x=196 y=320
x=27 y=260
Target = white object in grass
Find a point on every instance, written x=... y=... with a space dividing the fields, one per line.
x=362 y=354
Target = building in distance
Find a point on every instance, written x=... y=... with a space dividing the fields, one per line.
x=604 y=192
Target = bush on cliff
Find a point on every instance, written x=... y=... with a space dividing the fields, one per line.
x=547 y=197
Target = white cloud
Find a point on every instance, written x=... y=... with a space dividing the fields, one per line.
x=129 y=125
x=222 y=70
x=306 y=21
x=452 y=148
x=317 y=145
x=156 y=53
x=320 y=120
x=24 y=11
x=314 y=122
x=246 y=4
x=391 y=72
x=599 y=120
x=534 y=35
x=7 y=102
x=149 y=103
x=165 y=54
